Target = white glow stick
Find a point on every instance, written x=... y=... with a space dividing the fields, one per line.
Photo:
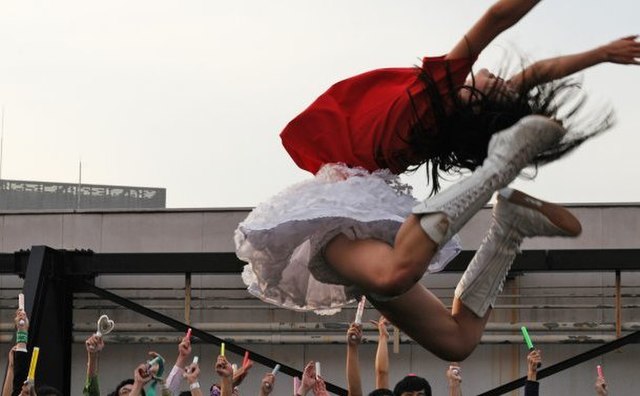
x=276 y=369
x=195 y=361
x=318 y=374
x=21 y=307
x=360 y=310
x=234 y=367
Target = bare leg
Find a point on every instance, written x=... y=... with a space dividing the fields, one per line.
x=377 y=267
x=451 y=336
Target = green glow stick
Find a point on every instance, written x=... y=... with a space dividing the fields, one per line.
x=527 y=339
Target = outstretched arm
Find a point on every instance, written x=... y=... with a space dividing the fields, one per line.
x=498 y=18
x=382 y=354
x=624 y=51
x=354 y=337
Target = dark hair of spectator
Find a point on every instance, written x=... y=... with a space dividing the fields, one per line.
x=381 y=392
x=412 y=383
x=46 y=390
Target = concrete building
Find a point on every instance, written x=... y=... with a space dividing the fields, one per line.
x=567 y=312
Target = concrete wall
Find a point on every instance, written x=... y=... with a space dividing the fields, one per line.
x=211 y=230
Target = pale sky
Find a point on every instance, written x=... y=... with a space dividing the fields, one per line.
x=191 y=95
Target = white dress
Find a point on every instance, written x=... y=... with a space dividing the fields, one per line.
x=282 y=239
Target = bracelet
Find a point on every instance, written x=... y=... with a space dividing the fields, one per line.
x=195 y=385
x=22 y=336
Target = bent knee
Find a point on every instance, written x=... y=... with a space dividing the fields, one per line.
x=456 y=353
x=396 y=281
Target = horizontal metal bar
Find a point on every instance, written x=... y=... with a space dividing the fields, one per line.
x=341 y=327
x=87 y=263
x=273 y=339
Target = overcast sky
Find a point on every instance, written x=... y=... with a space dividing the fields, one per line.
x=191 y=95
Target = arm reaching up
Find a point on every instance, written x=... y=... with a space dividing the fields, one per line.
x=624 y=51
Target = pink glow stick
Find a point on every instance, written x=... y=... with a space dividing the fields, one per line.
x=245 y=360
x=188 y=336
x=600 y=373
x=21 y=306
x=360 y=310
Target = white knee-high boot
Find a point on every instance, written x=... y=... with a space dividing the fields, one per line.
x=509 y=151
x=515 y=216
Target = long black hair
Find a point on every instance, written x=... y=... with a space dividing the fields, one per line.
x=458 y=136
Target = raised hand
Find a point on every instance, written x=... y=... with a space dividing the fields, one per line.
x=94 y=344
x=21 y=320
x=453 y=375
x=266 y=386
x=223 y=368
x=601 y=387
x=624 y=51
x=192 y=372
x=354 y=334
x=382 y=324
x=320 y=388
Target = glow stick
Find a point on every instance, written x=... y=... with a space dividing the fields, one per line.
x=222 y=349
x=527 y=339
x=21 y=306
x=245 y=360
x=318 y=370
x=360 y=310
x=32 y=367
x=195 y=361
x=600 y=373
x=188 y=337
x=234 y=368
x=276 y=369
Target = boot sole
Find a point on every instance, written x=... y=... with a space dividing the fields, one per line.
x=558 y=215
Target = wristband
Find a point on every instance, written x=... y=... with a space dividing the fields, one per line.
x=22 y=336
x=195 y=385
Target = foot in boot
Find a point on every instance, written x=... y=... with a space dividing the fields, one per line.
x=534 y=217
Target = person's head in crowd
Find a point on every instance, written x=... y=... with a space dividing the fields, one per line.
x=124 y=388
x=412 y=385
x=215 y=390
x=45 y=390
x=381 y=392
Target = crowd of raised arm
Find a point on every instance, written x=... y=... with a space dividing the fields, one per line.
x=154 y=377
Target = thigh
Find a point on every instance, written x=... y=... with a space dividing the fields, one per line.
x=363 y=262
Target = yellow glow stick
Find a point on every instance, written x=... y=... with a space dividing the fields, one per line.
x=222 y=349
x=34 y=362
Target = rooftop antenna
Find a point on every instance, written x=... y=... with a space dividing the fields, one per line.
x=79 y=184
x=1 y=141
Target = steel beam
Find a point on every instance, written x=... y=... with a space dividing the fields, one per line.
x=49 y=304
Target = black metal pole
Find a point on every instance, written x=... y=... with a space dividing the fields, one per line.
x=203 y=335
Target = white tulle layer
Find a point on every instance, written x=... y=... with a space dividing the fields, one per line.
x=282 y=239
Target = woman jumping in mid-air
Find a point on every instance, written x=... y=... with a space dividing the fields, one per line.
x=355 y=229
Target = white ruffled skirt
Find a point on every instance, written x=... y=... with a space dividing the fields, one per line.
x=282 y=239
